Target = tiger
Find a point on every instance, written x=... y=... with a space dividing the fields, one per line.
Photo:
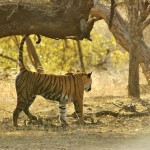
x=61 y=88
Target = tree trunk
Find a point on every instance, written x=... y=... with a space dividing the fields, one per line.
x=80 y=56
x=56 y=19
x=33 y=56
x=133 y=86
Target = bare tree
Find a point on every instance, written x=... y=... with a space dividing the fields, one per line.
x=120 y=30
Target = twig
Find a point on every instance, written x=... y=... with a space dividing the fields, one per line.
x=128 y=107
x=10 y=58
x=115 y=114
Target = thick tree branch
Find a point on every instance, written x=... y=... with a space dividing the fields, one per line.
x=80 y=56
x=112 y=11
x=121 y=33
x=56 y=19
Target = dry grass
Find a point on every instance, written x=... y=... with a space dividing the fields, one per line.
x=108 y=88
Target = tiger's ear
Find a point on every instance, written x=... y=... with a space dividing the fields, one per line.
x=89 y=74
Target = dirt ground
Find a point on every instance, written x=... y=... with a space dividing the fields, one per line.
x=114 y=121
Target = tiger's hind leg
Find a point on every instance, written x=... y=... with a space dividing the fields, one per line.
x=28 y=113
x=26 y=109
x=20 y=106
x=16 y=113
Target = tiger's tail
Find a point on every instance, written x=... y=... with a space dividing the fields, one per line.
x=21 y=63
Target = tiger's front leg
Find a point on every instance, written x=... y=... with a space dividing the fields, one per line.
x=79 y=111
x=63 y=115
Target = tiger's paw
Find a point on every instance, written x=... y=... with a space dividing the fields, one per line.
x=63 y=122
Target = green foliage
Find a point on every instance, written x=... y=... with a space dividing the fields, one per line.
x=119 y=58
x=7 y=47
x=62 y=55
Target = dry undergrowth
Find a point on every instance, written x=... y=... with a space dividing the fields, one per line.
x=108 y=97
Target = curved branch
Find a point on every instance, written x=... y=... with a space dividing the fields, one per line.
x=145 y=13
x=145 y=24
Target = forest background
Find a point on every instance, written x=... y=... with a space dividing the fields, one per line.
x=110 y=65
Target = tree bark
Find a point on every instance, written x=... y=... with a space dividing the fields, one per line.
x=120 y=30
x=80 y=56
x=133 y=85
x=56 y=19
x=33 y=56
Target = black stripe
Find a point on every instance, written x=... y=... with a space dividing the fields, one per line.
x=21 y=51
x=79 y=88
x=62 y=107
x=39 y=78
x=59 y=93
x=54 y=89
x=49 y=80
x=33 y=80
x=65 y=88
x=55 y=84
x=73 y=77
x=53 y=78
x=70 y=78
x=22 y=78
x=46 y=95
x=46 y=79
x=58 y=97
x=39 y=81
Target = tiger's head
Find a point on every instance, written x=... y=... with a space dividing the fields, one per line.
x=87 y=81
